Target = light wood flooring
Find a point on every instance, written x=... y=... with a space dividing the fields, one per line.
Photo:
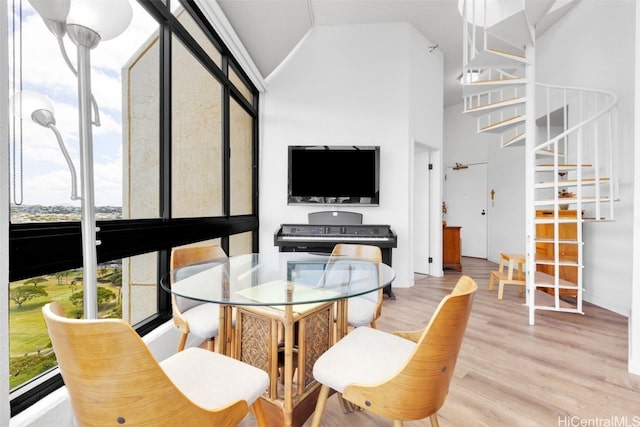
x=567 y=370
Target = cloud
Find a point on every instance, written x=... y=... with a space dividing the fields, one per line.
x=46 y=175
x=54 y=187
x=50 y=188
x=108 y=183
x=42 y=64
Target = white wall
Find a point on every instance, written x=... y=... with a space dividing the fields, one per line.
x=597 y=51
x=426 y=133
x=351 y=85
x=505 y=169
x=461 y=142
x=425 y=92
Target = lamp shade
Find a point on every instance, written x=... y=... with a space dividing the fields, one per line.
x=108 y=18
x=54 y=10
x=32 y=102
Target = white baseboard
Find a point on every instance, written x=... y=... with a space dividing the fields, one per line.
x=607 y=305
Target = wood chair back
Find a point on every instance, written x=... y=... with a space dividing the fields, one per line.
x=191 y=254
x=179 y=258
x=371 y=253
x=420 y=387
x=113 y=378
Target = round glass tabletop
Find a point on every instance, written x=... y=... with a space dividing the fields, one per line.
x=277 y=278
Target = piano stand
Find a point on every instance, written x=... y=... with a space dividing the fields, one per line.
x=387 y=290
x=322 y=239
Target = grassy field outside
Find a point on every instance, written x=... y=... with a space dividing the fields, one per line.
x=30 y=346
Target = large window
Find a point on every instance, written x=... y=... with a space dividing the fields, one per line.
x=175 y=162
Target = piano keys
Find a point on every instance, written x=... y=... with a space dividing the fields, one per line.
x=323 y=237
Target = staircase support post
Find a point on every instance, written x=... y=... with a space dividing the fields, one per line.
x=530 y=143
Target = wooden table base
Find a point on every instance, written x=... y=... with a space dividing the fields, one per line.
x=274 y=410
x=268 y=336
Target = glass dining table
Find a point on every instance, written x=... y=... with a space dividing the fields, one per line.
x=278 y=311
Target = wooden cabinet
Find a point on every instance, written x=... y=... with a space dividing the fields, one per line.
x=568 y=248
x=451 y=248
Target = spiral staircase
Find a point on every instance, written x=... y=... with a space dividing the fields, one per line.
x=567 y=132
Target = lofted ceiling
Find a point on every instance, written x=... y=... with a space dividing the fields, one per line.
x=270 y=29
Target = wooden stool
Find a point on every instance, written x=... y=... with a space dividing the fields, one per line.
x=506 y=277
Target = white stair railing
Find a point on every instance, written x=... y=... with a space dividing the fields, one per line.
x=581 y=164
x=587 y=149
x=573 y=139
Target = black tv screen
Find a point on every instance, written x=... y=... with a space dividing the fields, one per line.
x=344 y=175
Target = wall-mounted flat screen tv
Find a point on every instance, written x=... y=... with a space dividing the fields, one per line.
x=334 y=175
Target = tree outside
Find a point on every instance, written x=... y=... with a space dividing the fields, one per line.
x=21 y=294
x=30 y=346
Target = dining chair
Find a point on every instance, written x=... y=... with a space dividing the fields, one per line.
x=190 y=316
x=401 y=376
x=365 y=309
x=112 y=378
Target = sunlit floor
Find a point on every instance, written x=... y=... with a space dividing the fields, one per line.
x=567 y=367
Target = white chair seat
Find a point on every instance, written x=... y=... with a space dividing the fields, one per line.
x=403 y=376
x=361 y=311
x=364 y=309
x=218 y=381
x=364 y=356
x=204 y=319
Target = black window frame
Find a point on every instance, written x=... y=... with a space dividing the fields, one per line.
x=43 y=248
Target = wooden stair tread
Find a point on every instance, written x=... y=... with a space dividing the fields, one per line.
x=517 y=118
x=550 y=220
x=548 y=152
x=564 y=261
x=505 y=52
x=491 y=107
x=564 y=165
x=514 y=139
x=575 y=181
x=503 y=80
x=485 y=86
x=571 y=200
x=561 y=241
x=495 y=58
x=493 y=104
x=547 y=280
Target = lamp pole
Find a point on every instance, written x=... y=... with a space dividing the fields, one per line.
x=85 y=40
x=87 y=22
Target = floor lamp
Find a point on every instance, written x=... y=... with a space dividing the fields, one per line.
x=87 y=22
x=39 y=109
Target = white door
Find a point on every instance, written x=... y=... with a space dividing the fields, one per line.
x=466 y=197
x=421 y=215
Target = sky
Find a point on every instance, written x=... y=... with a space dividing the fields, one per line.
x=46 y=177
